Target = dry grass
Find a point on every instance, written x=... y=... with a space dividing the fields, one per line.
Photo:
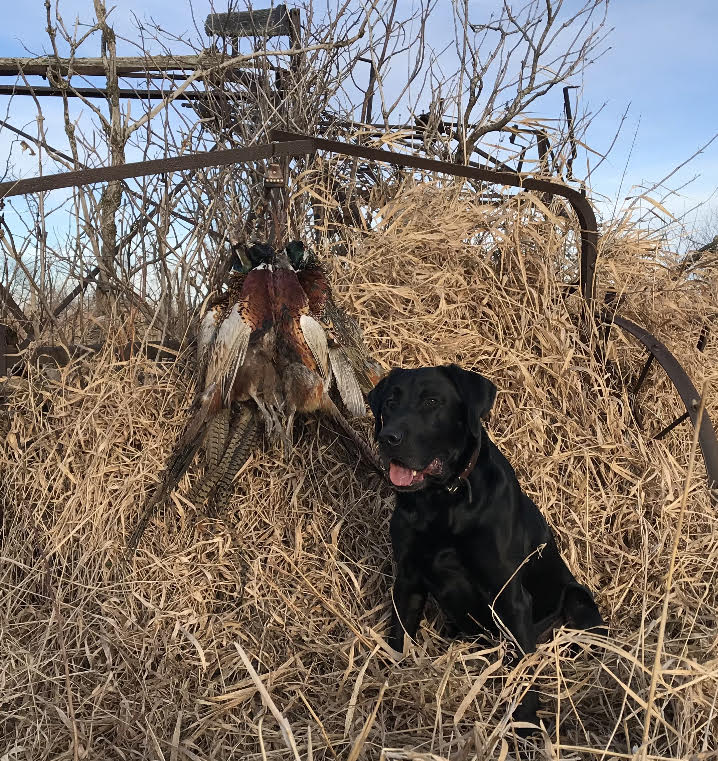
x=260 y=636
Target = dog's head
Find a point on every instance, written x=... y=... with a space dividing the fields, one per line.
x=426 y=420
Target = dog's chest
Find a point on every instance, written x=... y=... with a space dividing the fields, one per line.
x=454 y=570
x=440 y=544
x=441 y=552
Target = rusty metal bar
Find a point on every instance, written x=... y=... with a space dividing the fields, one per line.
x=582 y=208
x=644 y=373
x=571 y=134
x=248 y=79
x=700 y=345
x=134 y=193
x=637 y=387
x=139 y=224
x=198 y=160
x=76 y=291
x=95 y=92
x=291 y=144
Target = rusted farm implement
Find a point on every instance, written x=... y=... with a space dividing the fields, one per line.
x=286 y=146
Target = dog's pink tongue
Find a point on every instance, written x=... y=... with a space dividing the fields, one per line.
x=399 y=475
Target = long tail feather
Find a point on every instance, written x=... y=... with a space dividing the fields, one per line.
x=205 y=485
x=216 y=438
x=241 y=454
x=180 y=459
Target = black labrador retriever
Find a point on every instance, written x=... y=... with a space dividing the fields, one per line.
x=462 y=529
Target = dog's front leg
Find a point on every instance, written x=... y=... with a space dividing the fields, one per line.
x=408 y=600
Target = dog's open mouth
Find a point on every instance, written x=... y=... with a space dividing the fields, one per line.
x=402 y=476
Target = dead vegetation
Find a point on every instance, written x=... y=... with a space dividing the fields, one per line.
x=259 y=635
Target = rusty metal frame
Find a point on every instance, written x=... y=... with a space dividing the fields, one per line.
x=287 y=145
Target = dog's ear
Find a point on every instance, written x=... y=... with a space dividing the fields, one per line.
x=477 y=392
x=376 y=398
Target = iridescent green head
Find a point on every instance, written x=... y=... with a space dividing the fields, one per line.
x=297 y=254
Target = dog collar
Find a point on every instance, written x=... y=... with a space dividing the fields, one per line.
x=463 y=477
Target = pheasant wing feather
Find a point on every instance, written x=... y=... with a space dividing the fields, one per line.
x=316 y=340
x=229 y=351
x=347 y=383
x=342 y=330
x=345 y=331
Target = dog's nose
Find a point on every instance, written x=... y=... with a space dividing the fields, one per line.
x=391 y=437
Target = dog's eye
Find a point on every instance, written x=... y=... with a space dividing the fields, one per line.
x=389 y=404
x=431 y=402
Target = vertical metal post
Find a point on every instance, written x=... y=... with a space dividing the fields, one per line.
x=571 y=134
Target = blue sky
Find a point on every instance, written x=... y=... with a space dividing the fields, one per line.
x=661 y=64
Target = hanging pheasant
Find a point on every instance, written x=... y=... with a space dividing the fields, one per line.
x=272 y=346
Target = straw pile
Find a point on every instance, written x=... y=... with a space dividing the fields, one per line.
x=260 y=635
